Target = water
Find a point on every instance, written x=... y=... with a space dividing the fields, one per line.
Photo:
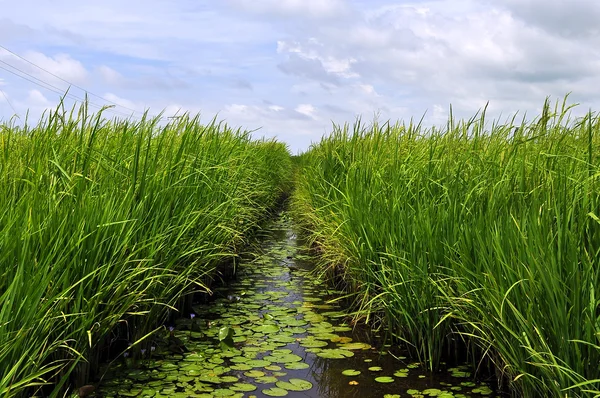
x=286 y=338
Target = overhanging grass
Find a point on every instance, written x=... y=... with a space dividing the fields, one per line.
x=102 y=221
x=492 y=234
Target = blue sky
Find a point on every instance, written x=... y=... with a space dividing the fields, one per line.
x=291 y=67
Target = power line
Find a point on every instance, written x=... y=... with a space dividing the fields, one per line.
x=9 y=104
x=60 y=78
x=66 y=81
x=51 y=87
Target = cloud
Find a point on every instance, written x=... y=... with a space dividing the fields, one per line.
x=573 y=19
x=109 y=75
x=37 y=99
x=14 y=31
x=113 y=98
x=293 y=66
x=242 y=84
x=312 y=69
x=61 y=64
x=306 y=109
x=40 y=69
x=292 y=8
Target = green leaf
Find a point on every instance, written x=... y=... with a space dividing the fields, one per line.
x=242 y=387
x=295 y=385
x=225 y=333
x=275 y=392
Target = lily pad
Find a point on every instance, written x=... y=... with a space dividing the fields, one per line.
x=225 y=333
x=296 y=365
x=335 y=353
x=267 y=329
x=242 y=387
x=223 y=392
x=258 y=363
x=401 y=373
x=355 y=346
x=384 y=379
x=351 y=372
x=254 y=373
x=284 y=358
x=266 y=379
x=275 y=392
x=295 y=385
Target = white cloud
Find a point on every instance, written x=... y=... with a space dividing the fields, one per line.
x=292 y=66
x=109 y=75
x=126 y=105
x=306 y=109
x=293 y=8
x=61 y=65
x=36 y=99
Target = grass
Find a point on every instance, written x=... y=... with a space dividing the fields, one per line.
x=489 y=236
x=106 y=224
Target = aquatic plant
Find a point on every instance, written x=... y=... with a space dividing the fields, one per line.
x=476 y=232
x=106 y=224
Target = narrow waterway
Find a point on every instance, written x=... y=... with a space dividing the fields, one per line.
x=274 y=331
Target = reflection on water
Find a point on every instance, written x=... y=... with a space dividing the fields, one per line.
x=286 y=338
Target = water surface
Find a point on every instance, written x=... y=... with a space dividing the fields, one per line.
x=276 y=331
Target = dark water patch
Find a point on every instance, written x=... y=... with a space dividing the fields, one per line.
x=276 y=332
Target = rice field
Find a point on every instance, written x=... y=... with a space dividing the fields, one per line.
x=477 y=241
x=106 y=225
x=468 y=240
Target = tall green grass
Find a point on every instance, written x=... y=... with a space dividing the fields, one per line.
x=109 y=222
x=490 y=235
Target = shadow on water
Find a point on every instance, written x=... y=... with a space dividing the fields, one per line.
x=274 y=332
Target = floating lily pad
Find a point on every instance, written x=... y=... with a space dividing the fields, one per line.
x=242 y=387
x=254 y=373
x=351 y=372
x=483 y=390
x=223 y=392
x=335 y=353
x=311 y=343
x=296 y=365
x=384 y=379
x=375 y=368
x=241 y=367
x=258 y=363
x=267 y=329
x=355 y=346
x=284 y=358
x=275 y=392
x=295 y=385
x=266 y=379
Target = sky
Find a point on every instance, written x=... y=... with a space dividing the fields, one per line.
x=291 y=68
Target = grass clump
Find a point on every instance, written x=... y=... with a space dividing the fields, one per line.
x=490 y=234
x=110 y=222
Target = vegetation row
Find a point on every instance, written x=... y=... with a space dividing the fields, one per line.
x=106 y=224
x=469 y=237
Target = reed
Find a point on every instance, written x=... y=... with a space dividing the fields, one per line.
x=107 y=223
x=487 y=234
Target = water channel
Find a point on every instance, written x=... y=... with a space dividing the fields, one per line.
x=274 y=331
